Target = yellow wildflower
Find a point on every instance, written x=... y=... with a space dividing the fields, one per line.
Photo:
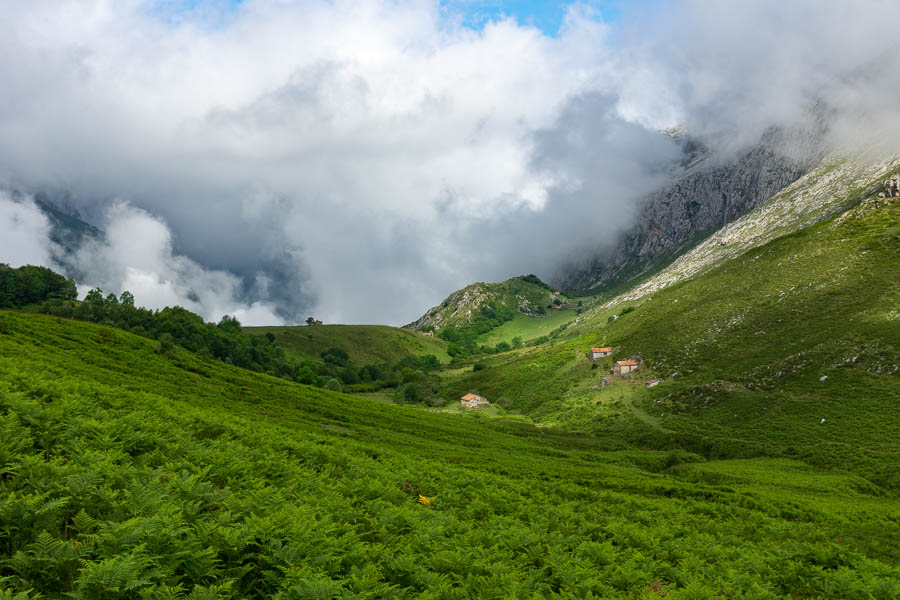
x=426 y=501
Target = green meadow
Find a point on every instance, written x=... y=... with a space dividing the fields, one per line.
x=527 y=327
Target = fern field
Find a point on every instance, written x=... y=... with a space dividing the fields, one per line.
x=129 y=474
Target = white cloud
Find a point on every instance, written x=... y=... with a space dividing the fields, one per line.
x=360 y=160
x=24 y=233
x=137 y=255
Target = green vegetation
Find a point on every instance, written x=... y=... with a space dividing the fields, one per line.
x=364 y=358
x=752 y=356
x=30 y=284
x=125 y=473
x=526 y=328
x=223 y=341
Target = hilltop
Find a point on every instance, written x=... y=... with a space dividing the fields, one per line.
x=525 y=294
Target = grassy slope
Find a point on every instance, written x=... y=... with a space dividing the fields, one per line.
x=527 y=328
x=127 y=474
x=749 y=342
x=364 y=344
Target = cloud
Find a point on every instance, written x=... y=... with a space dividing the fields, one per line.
x=24 y=233
x=137 y=255
x=360 y=160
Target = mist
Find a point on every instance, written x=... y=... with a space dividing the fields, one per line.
x=359 y=161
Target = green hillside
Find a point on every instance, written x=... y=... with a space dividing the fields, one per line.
x=526 y=327
x=752 y=355
x=129 y=473
x=363 y=343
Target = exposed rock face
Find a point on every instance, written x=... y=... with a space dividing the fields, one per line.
x=702 y=198
x=831 y=188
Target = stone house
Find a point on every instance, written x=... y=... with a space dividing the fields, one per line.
x=892 y=187
x=598 y=352
x=651 y=383
x=473 y=401
x=621 y=367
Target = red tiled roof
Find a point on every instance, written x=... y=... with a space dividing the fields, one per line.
x=471 y=397
x=601 y=349
x=626 y=363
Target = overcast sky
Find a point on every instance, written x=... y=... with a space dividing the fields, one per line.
x=358 y=161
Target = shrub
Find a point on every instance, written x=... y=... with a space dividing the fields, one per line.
x=334 y=384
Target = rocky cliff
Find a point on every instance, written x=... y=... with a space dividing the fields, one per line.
x=702 y=197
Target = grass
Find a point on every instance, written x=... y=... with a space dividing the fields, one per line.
x=526 y=327
x=364 y=344
x=130 y=474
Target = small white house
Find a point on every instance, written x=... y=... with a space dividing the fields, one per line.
x=598 y=352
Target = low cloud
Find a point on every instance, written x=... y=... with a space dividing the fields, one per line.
x=358 y=161
x=24 y=233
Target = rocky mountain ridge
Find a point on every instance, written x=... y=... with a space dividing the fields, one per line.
x=837 y=184
x=702 y=197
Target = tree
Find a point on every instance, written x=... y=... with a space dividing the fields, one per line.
x=310 y=320
x=126 y=298
x=411 y=393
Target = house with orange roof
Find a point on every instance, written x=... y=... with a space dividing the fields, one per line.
x=598 y=352
x=473 y=401
x=621 y=367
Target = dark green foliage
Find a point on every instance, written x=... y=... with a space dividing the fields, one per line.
x=30 y=284
x=336 y=356
x=531 y=278
x=626 y=310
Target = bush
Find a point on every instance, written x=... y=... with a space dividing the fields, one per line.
x=166 y=344
x=334 y=384
x=479 y=366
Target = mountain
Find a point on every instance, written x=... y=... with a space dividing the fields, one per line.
x=526 y=295
x=753 y=343
x=708 y=193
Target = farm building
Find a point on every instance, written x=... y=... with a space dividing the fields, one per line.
x=652 y=382
x=428 y=333
x=473 y=401
x=598 y=352
x=621 y=367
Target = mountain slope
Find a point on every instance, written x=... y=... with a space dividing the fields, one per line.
x=129 y=473
x=752 y=353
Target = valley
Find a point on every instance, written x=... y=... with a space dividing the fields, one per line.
x=752 y=453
